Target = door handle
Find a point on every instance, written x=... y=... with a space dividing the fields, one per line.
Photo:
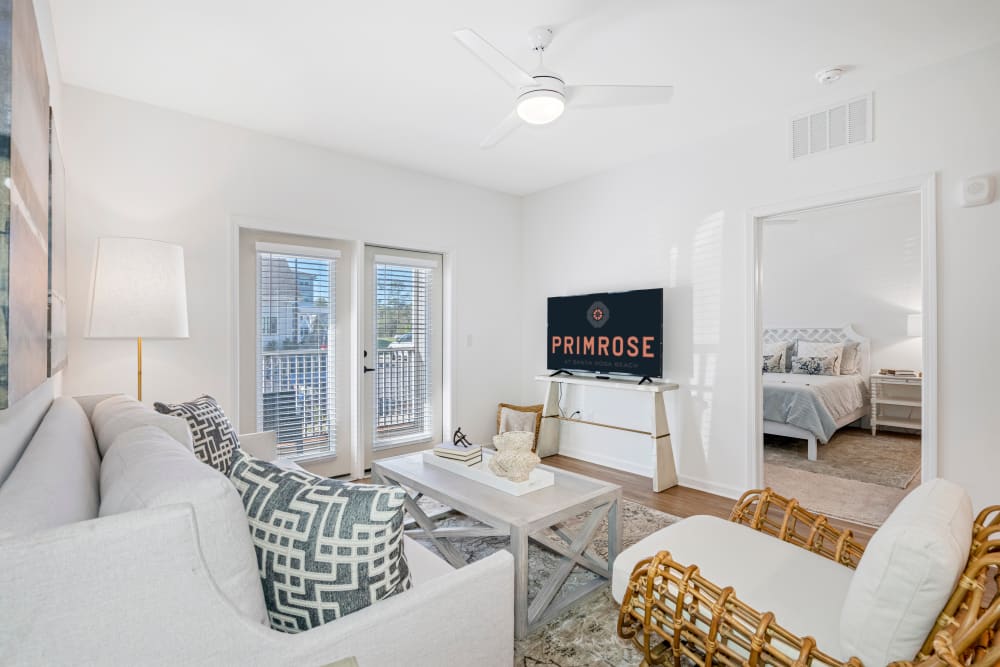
x=365 y=368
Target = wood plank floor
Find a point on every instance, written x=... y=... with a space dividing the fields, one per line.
x=679 y=501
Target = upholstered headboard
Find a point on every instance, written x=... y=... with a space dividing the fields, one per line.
x=827 y=335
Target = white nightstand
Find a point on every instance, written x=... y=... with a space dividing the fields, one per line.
x=899 y=391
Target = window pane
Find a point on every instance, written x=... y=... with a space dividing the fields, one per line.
x=295 y=353
x=403 y=410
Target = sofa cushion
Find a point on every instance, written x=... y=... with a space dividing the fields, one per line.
x=55 y=481
x=766 y=573
x=424 y=564
x=146 y=468
x=119 y=414
x=324 y=548
x=907 y=573
x=212 y=433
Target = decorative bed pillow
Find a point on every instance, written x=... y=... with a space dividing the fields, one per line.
x=324 y=548
x=850 y=364
x=212 y=434
x=805 y=348
x=783 y=351
x=813 y=365
x=772 y=364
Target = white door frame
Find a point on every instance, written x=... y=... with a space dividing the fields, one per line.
x=923 y=185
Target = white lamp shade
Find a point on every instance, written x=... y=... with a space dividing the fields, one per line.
x=139 y=290
x=914 y=325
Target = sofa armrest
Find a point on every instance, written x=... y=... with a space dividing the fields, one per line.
x=765 y=511
x=669 y=610
x=263 y=445
x=133 y=588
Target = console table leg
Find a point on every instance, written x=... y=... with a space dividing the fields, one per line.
x=519 y=549
x=664 y=471
x=548 y=433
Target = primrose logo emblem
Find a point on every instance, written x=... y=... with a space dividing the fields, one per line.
x=598 y=314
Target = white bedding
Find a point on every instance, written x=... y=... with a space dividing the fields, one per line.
x=839 y=394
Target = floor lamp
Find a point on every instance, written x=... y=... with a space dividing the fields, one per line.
x=138 y=292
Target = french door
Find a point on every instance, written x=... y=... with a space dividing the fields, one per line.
x=294 y=333
x=402 y=348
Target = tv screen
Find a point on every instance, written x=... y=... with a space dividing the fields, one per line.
x=609 y=332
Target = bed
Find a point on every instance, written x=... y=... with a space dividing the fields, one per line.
x=814 y=407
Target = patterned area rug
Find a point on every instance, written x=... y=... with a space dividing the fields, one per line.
x=585 y=635
x=888 y=459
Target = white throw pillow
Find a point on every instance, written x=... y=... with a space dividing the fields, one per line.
x=907 y=574
x=120 y=414
x=146 y=468
x=851 y=362
x=805 y=348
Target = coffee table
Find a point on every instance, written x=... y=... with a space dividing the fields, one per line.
x=537 y=517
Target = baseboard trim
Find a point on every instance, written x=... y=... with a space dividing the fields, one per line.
x=624 y=465
x=607 y=461
x=708 y=486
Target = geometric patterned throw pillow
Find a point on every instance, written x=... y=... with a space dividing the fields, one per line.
x=324 y=548
x=212 y=433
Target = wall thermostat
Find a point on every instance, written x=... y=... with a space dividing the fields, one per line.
x=977 y=190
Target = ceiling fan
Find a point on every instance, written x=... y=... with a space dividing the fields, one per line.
x=543 y=95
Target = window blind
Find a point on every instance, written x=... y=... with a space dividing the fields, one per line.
x=403 y=398
x=296 y=324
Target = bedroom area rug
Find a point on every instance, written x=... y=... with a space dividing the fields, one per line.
x=847 y=499
x=886 y=459
x=585 y=635
x=858 y=477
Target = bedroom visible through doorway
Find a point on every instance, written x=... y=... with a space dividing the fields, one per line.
x=841 y=291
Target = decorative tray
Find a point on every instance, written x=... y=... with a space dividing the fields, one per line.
x=538 y=479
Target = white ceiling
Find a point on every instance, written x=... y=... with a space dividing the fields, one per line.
x=386 y=79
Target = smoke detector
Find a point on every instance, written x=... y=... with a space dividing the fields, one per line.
x=827 y=76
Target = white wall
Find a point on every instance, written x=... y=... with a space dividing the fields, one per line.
x=679 y=220
x=136 y=170
x=857 y=264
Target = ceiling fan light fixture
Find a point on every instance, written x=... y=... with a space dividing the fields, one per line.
x=540 y=107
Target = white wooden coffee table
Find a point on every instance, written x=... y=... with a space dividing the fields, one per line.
x=536 y=516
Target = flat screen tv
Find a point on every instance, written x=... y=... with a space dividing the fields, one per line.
x=607 y=332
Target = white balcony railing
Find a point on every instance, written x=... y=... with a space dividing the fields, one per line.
x=297 y=400
x=400 y=394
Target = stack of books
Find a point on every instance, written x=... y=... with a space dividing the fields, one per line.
x=900 y=373
x=469 y=456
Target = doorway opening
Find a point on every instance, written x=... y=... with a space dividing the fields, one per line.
x=843 y=338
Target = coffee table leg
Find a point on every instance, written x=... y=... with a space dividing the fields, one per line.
x=614 y=535
x=519 y=549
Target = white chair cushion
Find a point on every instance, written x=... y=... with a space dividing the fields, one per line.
x=907 y=573
x=804 y=590
x=146 y=468
x=119 y=414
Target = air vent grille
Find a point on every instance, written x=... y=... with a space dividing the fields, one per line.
x=845 y=124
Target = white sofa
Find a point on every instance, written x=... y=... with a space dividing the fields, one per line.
x=160 y=568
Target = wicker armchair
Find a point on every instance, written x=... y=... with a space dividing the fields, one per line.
x=670 y=611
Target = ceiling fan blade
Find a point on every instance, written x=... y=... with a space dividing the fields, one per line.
x=496 y=60
x=583 y=97
x=500 y=132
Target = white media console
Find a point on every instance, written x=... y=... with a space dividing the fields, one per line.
x=664 y=471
